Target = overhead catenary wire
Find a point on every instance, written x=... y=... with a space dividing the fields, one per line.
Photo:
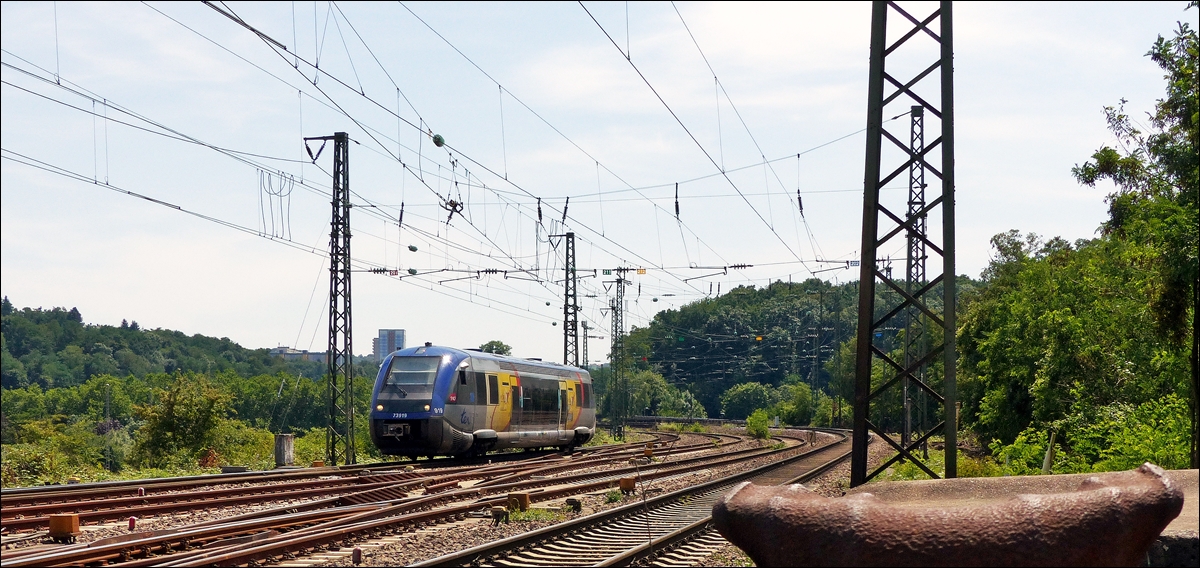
x=359 y=264
x=539 y=117
x=180 y=136
x=361 y=125
x=690 y=135
x=366 y=125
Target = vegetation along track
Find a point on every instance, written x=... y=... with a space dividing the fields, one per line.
x=260 y=536
x=674 y=528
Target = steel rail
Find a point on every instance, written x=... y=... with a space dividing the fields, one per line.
x=668 y=543
x=27 y=517
x=631 y=522
x=395 y=517
x=253 y=524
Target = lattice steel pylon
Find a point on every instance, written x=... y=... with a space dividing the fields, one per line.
x=619 y=391
x=339 y=431
x=916 y=337
x=571 y=307
x=583 y=341
x=913 y=91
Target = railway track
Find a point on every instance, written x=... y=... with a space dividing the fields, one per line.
x=30 y=509
x=257 y=536
x=672 y=528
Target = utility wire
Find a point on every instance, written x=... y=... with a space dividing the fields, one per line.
x=358 y=123
x=689 y=133
x=358 y=263
x=546 y=122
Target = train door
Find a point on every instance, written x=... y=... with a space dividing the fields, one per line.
x=518 y=405
x=504 y=401
x=572 y=402
x=490 y=397
x=564 y=407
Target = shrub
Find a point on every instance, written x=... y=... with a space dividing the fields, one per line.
x=758 y=424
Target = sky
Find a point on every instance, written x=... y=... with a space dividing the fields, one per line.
x=155 y=170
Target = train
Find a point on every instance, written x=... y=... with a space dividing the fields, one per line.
x=440 y=401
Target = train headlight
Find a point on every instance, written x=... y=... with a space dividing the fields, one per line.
x=426 y=407
x=379 y=407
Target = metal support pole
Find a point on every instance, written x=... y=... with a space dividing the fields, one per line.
x=866 y=287
x=619 y=392
x=912 y=300
x=339 y=361
x=571 y=307
x=949 y=286
x=914 y=324
x=583 y=343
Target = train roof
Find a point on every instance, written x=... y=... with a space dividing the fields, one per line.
x=438 y=351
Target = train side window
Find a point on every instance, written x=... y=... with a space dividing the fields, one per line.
x=480 y=389
x=579 y=394
x=493 y=389
x=462 y=376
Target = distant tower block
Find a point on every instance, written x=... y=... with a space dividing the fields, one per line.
x=388 y=341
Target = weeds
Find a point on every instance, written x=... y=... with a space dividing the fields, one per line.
x=533 y=515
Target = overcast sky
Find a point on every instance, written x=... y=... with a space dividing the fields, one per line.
x=540 y=103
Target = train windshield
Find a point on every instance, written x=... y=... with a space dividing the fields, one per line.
x=413 y=370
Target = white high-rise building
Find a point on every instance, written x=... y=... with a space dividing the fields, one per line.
x=389 y=340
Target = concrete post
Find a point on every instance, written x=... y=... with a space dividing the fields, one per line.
x=285 y=449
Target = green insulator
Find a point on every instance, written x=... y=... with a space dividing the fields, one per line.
x=438 y=140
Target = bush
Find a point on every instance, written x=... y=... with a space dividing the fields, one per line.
x=1155 y=432
x=1115 y=438
x=32 y=464
x=310 y=446
x=758 y=424
x=240 y=444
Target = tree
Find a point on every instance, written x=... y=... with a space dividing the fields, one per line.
x=184 y=420
x=1156 y=204
x=741 y=400
x=496 y=346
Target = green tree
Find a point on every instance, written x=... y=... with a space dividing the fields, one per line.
x=741 y=400
x=1060 y=333
x=496 y=346
x=184 y=420
x=1157 y=174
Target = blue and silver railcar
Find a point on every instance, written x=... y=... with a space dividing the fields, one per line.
x=433 y=400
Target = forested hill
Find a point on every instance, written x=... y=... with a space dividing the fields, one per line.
x=784 y=332
x=55 y=348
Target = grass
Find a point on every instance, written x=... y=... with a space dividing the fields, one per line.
x=533 y=515
x=694 y=427
x=967 y=467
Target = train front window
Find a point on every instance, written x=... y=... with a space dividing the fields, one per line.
x=413 y=371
